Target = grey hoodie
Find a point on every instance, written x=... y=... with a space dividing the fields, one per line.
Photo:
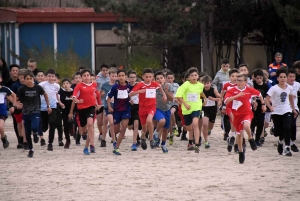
x=220 y=78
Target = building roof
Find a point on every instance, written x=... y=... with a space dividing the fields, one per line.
x=40 y=15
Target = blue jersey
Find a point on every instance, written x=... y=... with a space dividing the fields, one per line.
x=4 y=91
x=121 y=97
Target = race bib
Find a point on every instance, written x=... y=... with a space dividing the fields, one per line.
x=135 y=99
x=122 y=94
x=2 y=96
x=192 y=97
x=150 y=93
x=210 y=102
x=236 y=104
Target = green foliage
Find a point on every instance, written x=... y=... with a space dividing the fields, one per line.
x=65 y=64
x=141 y=59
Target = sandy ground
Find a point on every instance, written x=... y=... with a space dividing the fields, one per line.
x=213 y=174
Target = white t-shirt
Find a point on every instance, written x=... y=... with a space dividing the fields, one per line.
x=280 y=99
x=51 y=90
x=296 y=88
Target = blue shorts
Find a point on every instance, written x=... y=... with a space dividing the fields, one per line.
x=107 y=112
x=189 y=117
x=159 y=114
x=119 y=116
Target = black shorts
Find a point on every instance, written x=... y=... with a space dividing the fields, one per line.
x=177 y=117
x=3 y=117
x=86 y=113
x=210 y=113
x=99 y=111
x=134 y=114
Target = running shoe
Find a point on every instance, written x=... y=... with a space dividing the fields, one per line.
x=190 y=147
x=152 y=144
x=25 y=146
x=175 y=131
x=164 y=149
x=225 y=136
x=258 y=144
x=252 y=144
x=60 y=143
x=103 y=143
x=86 y=151
x=114 y=145
x=43 y=142
x=144 y=144
x=241 y=157
x=19 y=146
x=197 y=149
x=265 y=133
x=35 y=138
x=50 y=147
x=236 y=148
x=287 y=152
x=157 y=143
x=5 y=142
x=207 y=145
x=133 y=147
x=67 y=145
x=138 y=143
x=171 y=140
x=229 y=148
x=117 y=152
x=231 y=140
x=92 y=148
x=294 y=148
x=155 y=136
x=30 y=154
x=262 y=140
x=280 y=148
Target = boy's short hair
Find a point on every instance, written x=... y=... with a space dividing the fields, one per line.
x=57 y=76
x=243 y=65
x=120 y=71
x=66 y=80
x=131 y=72
x=50 y=71
x=40 y=71
x=258 y=72
x=76 y=74
x=243 y=76
x=159 y=73
x=112 y=70
x=291 y=71
x=202 y=74
x=103 y=66
x=281 y=70
x=92 y=74
x=13 y=66
x=147 y=70
x=28 y=73
x=206 y=79
x=234 y=70
x=225 y=61
x=296 y=64
x=85 y=71
x=170 y=73
x=31 y=60
x=192 y=70
x=81 y=68
x=22 y=72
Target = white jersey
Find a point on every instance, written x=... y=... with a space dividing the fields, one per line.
x=280 y=99
x=296 y=88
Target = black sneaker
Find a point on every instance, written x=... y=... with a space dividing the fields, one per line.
x=19 y=146
x=229 y=148
x=225 y=136
x=25 y=146
x=103 y=143
x=294 y=148
x=253 y=144
x=30 y=154
x=144 y=144
x=138 y=143
x=241 y=157
x=258 y=144
x=43 y=142
x=50 y=147
x=280 y=148
x=287 y=152
x=236 y=148
x=60 y=143
x=184 y=138
x=230 y=141
x=262 y=140
x=5 y=142
x=152 y=144
x=35 y=138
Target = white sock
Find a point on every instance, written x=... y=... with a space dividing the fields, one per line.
x=280 y=142
x=286 y=146
x=232 y=134
x=292 y=143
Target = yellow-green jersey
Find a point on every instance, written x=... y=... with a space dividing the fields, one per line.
x=191 y=95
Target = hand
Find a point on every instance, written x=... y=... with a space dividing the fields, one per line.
x=254 y=105
x=164 y=98
x=295 y=113
x=187 y=106
x=219 y=104
x=210 y=98
x=263 y=108
x=49 y=110
x=110 y=109
x=11 y=110
x=131 y=101
x=141 y=91
x=70 y=116
x=19 y=106
x=62 y=105
x=205 y=102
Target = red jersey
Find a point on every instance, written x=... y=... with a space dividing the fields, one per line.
x=149 y=97
x=87 y=92
x=227 y=86
x=241 y=105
